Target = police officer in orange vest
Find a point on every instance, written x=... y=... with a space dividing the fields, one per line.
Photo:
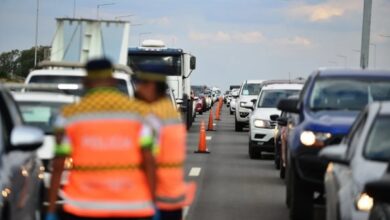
x=172 y=192
x=112 y=176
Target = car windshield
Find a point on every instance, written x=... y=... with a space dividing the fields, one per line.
x=197 y=90
x=348 y=94
x=251 y=89
x=271 y=98
x=40 y=114
x=51 y=79
x=378 y=142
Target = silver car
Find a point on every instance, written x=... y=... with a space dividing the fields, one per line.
x=21 y=171
x=361 y=157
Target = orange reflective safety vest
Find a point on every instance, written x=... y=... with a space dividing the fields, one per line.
x=106 y=179
x=172 y=191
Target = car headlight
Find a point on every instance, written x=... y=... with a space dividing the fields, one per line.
x=258 y=123
x=242 y=104
x=364 y=202
x=317 y=139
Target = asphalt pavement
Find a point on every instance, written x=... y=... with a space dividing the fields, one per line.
x=230 y=185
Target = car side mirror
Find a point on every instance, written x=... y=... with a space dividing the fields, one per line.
x=335 y=153
x=274 y=117
x=193 y=63
x=289 y=105
x=282 y=121
x=26 y=138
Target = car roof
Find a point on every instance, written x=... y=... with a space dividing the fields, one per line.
x=70 y=72
x=283 y=86
x=43 y=97
x=333 y=72
x=253 y=81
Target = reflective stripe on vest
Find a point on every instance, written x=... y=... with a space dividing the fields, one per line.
x=107 y=205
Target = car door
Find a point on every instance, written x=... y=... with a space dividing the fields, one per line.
x=20 y=168
x=341 y=184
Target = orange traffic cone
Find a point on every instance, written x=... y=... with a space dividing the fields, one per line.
x=202 y=147
x=218 y=113
x=210 y=126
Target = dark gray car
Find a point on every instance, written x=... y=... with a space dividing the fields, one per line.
x=21 y=172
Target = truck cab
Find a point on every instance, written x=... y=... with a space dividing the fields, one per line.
x=178 y=65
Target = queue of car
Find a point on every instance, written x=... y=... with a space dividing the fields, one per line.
x=329 y=134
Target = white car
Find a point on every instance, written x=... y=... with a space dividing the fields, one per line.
x=261 y=127
x=70 y=76
x=249 y=91
x=234 y=95
x=362 y=157
x=40 y=109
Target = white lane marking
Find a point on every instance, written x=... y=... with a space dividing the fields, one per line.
x=185 y=212
x=208 y=138
x=195 y=171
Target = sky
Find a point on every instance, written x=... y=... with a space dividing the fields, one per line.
x=233 y=40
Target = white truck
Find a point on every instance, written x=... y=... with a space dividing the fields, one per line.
x=179 y=66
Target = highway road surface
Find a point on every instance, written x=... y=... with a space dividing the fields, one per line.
x=230 y=185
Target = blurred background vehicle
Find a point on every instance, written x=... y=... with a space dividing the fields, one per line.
x=234 y=95
x=21 y=171
x=261 y=126
x=362 y=157
x=249 y=91
x=179 y=67
x=329 y=103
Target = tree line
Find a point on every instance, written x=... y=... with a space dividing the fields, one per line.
x=18 y=63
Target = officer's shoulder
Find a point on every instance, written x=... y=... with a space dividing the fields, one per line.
x=165 y=109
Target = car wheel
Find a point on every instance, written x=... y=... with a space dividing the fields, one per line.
x=301 y=197
x=201 y=113
x=254 y=153
x=238 y=126
x=231 y=112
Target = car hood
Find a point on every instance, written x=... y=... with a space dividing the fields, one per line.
x=338 y=122
x=264 y=113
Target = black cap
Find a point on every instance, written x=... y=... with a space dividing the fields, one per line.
x=98 y=64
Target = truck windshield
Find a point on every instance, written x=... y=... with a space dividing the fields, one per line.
x=348 y=94
x=378 y=143
x=51 y=79
x=251 y=89
x=271 y=98
x=172 y=64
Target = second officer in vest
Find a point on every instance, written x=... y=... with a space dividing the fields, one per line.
x=172 y=192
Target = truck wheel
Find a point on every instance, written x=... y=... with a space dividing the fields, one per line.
x=254 y=153
x=301 y=197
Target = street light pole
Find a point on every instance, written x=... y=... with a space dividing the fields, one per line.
x=374 y=45
x=366 y=31
x=74 y=8
x=36 y=36
x=101 y=5
x=142 y=34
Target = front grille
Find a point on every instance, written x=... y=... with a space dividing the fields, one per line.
x=244 y=114
x=273 y=124
x=259 y=136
